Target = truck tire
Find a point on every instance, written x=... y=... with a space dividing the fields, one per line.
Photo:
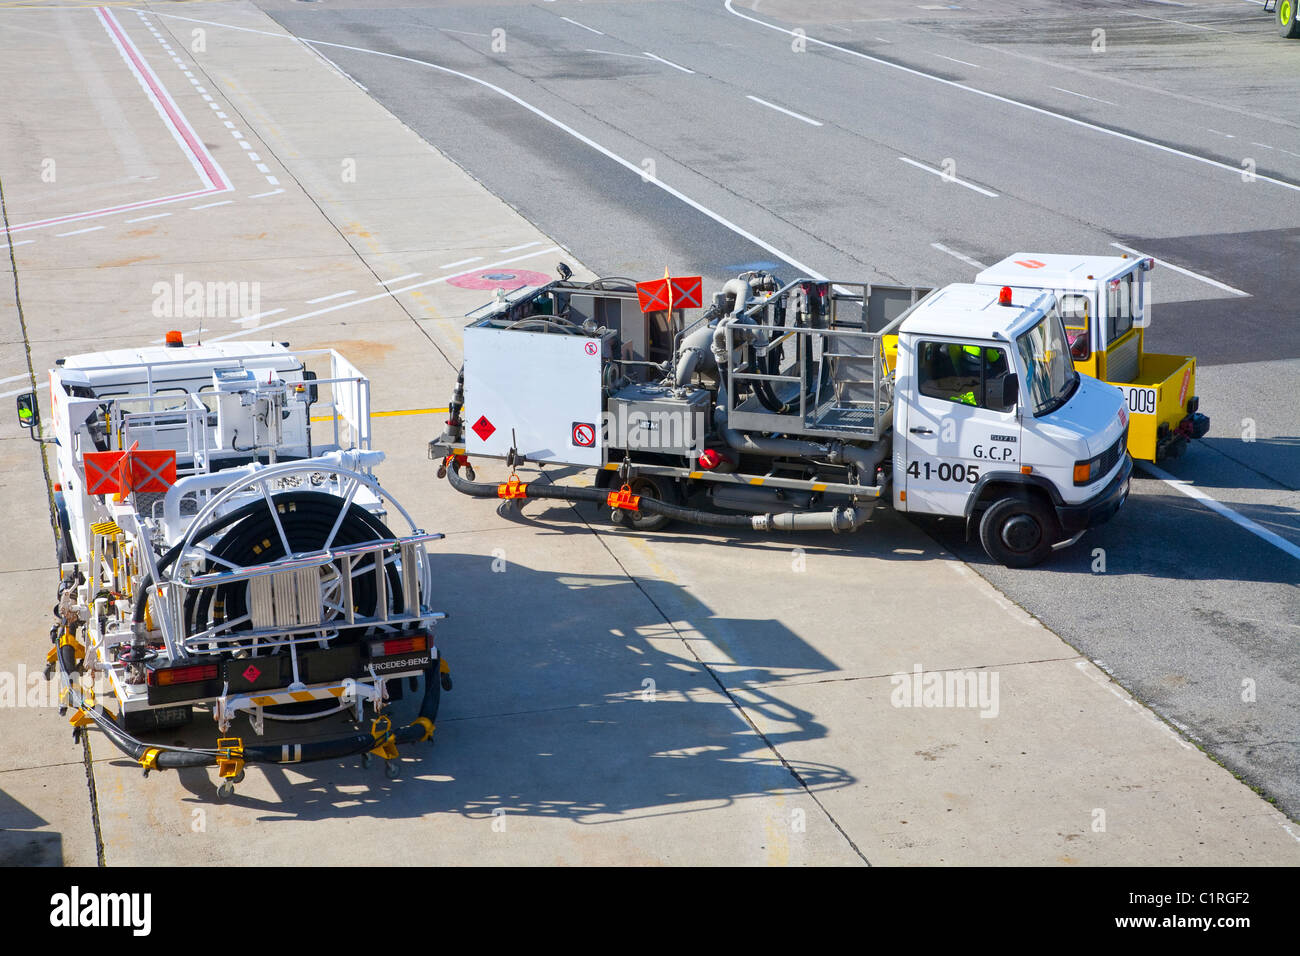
x=1018 y=531
x=1288 y=24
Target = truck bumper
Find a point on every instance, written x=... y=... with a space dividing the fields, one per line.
x=1099 y=508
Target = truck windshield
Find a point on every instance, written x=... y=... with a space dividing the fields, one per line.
x=1049 y=371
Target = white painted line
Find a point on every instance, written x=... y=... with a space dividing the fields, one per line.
x=1262 y=145
x=1073 y=121
x=583 y=25
x=272 y=180
x=273 y=192
x=254 y=157
x=77 y=232
x=782 y=109
x=1085 y=96
x=627 y=164
x=1221 y=133
x=243 y=144
x=27 y=241
x=16 y=391
x=416 y=275
x=336 y=295
x=526 y=245
x=228 y=125
x=466 y=33
x=630 y=56
x=253 y=318
x=263 y=168
x=955 y=60
x=460 y=262
x=199 y=89
x=383 y=295
x=236 y=133
x=209 y=205
x=957 y=255
x=1187 y=272
x=14 y=378
x=1181 y=23
x=1191 y=491
x=675 y=66
x=157 y=215
x=951 y=179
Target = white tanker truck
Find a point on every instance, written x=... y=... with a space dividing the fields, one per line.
x=224 y=545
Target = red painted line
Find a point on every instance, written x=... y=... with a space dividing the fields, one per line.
x=217 y=182
x=179 y=123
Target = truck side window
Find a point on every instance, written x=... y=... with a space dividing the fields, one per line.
x=1078 y=321
x=1121 y=308
x=962 y=373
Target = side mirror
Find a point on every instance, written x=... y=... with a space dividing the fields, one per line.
x=1010 y=392
x=313 y=390
x=29 y=416
x=564 y=270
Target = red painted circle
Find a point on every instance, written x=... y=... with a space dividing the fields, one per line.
x=505 y=278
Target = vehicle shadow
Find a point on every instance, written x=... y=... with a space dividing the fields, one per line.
x=573 y=698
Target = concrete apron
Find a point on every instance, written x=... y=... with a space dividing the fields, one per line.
x=619 y=699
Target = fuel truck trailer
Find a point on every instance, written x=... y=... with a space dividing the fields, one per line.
x=794 y=406
x=224 y=545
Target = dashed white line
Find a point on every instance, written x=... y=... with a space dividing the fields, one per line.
x=228 y=125
x=675 y=66
x=583 y=25
x=263 y=168
x=630 y=56
x=952 y=179
x=14 y=378
x=272 y=180
x=20 y=243
x=243 y=144
x=273 y=192
x=460 y=262
x=1191 y=491
x=209 y=205
x=16 y=391
x=526 y=245
x=336 y=295
x=1008 y=101
x=955 y=60
x=957 y=255
x=1220 y=132
x=1262 y=145
x=415 y=275
x=1187 y=272
x=253 y=318
x=1095 y=99
x=1181 y=23
x=781 y=109
x=467 y=33
x=254 y=157
x=77 y=232
x=382 y=295
x=157 y=215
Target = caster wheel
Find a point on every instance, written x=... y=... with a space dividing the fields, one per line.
x=366 y=760
x=226 y=790
x=391 y=769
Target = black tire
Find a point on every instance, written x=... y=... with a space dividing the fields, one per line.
x=647 y=487
x=1018 y=531
x=1288 y=23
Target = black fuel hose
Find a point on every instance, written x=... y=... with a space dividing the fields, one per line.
x=837 y=520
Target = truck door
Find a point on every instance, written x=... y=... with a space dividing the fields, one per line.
x=956 y=426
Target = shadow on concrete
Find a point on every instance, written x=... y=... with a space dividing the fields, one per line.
x=573 y=698
x=22 y=841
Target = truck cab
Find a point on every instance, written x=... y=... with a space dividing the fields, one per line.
x=1105 y=302
x=994 y=424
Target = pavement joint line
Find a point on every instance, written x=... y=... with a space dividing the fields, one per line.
x=559 y=124
x=947 y=178
x=737 y=706
x=1187 y=272
x=1214 y=504
x=781 y=109
x=1019 y=104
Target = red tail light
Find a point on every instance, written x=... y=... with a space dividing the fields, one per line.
x=169 y=676
x=400 y=645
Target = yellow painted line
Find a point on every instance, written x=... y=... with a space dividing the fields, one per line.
x=400 y=411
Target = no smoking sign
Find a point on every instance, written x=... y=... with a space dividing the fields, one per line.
x=584 y=435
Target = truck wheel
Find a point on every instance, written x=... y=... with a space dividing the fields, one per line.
x=1018 y=532
x=1288 y=24
x=649 y=488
